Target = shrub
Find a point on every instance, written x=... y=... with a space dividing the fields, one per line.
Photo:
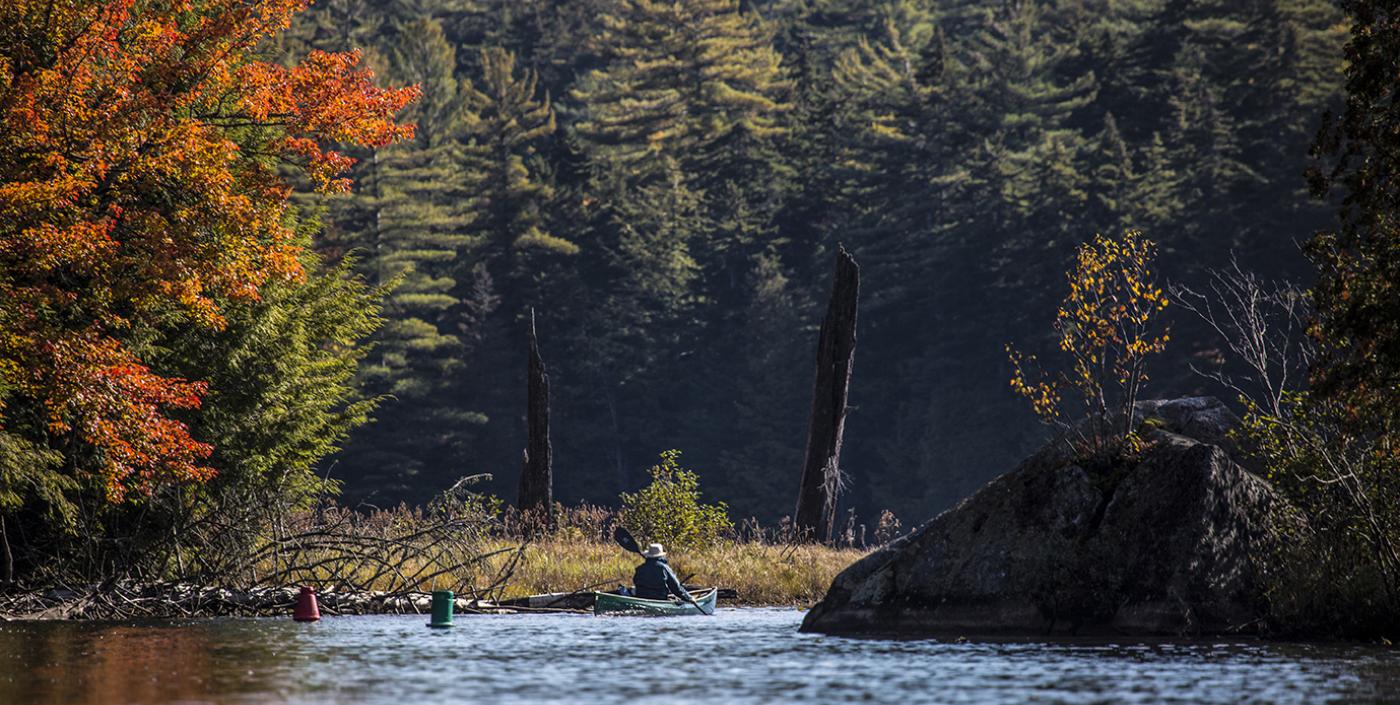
x=1107 y=327
x=669 y=510
x=1333 y=567
x=1339 y=572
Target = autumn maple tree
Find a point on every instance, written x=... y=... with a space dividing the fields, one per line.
x=144 y=154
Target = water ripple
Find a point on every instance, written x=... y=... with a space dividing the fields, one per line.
x=736 y=657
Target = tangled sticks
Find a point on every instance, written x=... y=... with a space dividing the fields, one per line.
x=249 y=563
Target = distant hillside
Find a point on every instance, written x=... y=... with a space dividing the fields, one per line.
x=666 y=184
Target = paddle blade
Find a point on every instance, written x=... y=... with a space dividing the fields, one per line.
x=623 y=537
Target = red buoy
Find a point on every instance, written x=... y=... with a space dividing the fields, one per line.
x=306 y=609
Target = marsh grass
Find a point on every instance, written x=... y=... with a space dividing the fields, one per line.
x=480 y=553
x=762 y=573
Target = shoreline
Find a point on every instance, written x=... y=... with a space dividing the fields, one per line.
x=749 y=573
x=184 y=601
x=131 y=600
x=172 y=601
x=127 y=601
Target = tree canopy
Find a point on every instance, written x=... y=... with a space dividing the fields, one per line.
x=148 y=150
x=664 y=182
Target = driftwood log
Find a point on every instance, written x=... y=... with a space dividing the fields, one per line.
x=537 y=474
x=836 y=348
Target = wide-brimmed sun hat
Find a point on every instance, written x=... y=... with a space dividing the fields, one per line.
x=654 y=551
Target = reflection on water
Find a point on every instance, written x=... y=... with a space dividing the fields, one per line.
x=738 y=656
x=60 y=663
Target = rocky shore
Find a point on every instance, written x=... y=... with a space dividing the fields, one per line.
x=1174 y=541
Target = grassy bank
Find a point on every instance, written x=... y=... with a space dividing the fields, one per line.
x=763 y=574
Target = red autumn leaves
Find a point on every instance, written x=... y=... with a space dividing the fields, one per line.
x=141 y=184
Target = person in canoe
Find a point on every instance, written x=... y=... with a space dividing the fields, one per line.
x=654 y=579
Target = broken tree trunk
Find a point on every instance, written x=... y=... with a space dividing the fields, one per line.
x=537 y=474
x=836 y=348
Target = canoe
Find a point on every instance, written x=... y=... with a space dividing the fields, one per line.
x=554 y=600
x=608 y=603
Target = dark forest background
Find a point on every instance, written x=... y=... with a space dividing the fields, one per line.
x=666 y=182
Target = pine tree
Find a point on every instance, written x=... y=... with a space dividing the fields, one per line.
x=283 y=394
x=696 y=82
x=898 y=176
x=415 y=229
x=1204 y=139
x=1112 y=180
x=516 y=261
x=421 y=228
x=1018 y=60
x=1287 y=77
x=653 y=261
x=632 y=327
x=682 y=127
x=1050 y=184
x=1112 y=44
x=1155 y=194
x=508 y=122
x=335 y=25
x=1021 y=63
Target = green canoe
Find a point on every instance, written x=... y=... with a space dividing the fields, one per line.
x=608 y=603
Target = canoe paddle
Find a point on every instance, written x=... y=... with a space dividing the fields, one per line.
x=624 y=538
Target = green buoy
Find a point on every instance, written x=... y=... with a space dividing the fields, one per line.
x=442 y=609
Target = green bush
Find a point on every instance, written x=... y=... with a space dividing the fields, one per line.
x=668 y=511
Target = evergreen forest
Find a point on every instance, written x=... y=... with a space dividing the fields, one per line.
x=665 y=183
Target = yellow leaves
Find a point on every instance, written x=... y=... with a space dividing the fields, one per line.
x=1124 y=294
x=1105 y=324
x=1044 y=395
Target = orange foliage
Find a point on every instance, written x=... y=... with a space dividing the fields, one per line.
x=140 y=142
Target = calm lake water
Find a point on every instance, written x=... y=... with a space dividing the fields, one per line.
x=738 y=656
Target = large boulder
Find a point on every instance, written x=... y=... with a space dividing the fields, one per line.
x=1169 y=541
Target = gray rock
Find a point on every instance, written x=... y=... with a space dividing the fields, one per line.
x=1166 y=543
x=1205 y=419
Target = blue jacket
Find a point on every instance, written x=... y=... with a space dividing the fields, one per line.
x=654 y=580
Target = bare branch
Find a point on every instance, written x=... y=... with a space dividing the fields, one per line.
x=1261 y=323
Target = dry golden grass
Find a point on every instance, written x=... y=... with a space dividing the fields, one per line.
x=763 y=574
x=405 y=550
